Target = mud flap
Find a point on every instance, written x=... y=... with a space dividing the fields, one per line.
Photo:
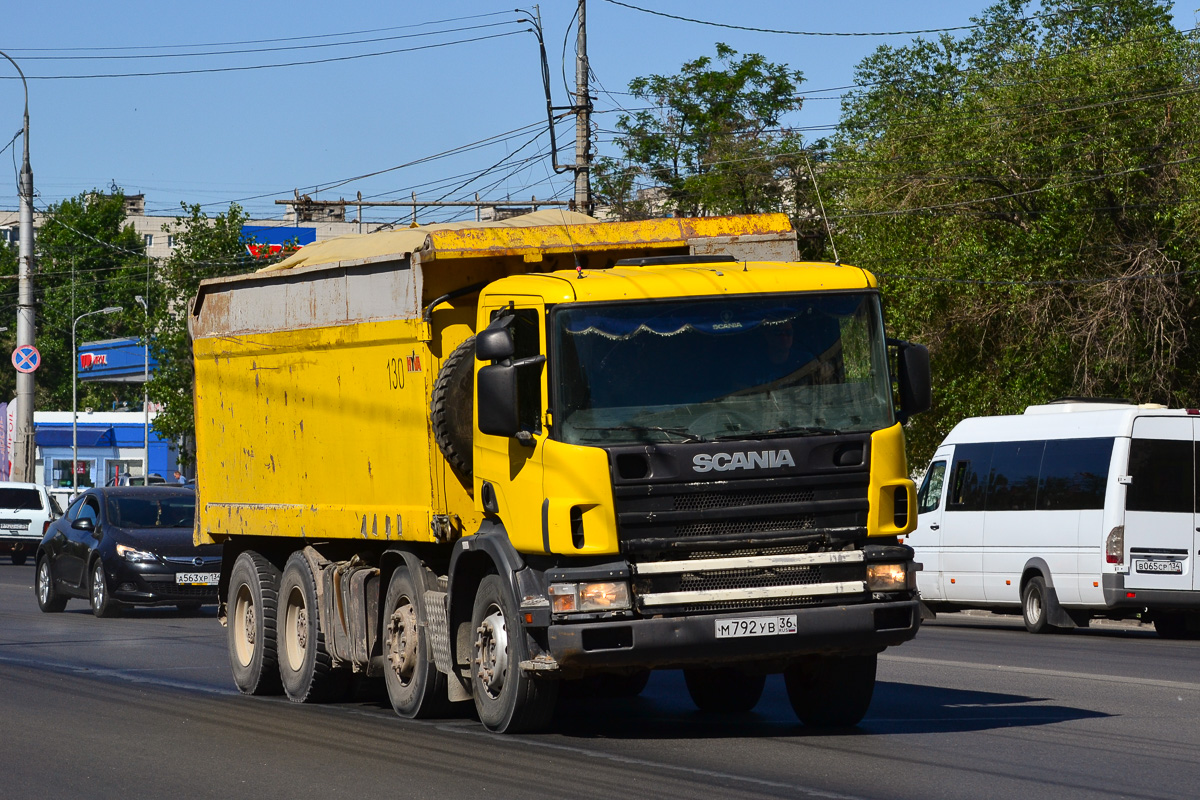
x=437 y=631
x=1056 y=615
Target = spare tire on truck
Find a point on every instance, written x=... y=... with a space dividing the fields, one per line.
x=452 y=407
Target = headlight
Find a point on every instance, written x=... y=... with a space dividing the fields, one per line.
x=887 y=577
x=600 y=596
x=135 y=555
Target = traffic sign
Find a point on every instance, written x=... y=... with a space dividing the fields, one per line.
x=26 y=358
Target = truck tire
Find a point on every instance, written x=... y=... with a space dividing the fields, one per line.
x=252 y=599
x=506 y=699
x=102 y=603
x=451 y=407
x=415 y=687
x=724 y=690
x=305 y=665
x=1174 y=625
x=605 y=686
x=831 y=691
x=49 y=600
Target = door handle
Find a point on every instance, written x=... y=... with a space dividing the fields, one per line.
x=933 y=526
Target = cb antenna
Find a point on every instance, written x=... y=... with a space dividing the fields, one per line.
x=824 y=216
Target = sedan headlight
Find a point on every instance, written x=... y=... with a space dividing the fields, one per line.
x=887 y=577
x=566 y=598
x=133 y=554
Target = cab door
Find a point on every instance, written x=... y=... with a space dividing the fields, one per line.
x=1160 y=502
x=926 y=538
x=512 y=465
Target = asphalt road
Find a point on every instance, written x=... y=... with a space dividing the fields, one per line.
x=142 y=706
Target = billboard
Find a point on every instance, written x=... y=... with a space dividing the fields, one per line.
x=114 y=360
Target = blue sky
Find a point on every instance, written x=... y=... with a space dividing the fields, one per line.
x=254 y=135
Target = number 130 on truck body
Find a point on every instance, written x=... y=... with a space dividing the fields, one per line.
x=484 y=462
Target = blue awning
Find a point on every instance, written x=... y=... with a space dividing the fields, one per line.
x=89 y=436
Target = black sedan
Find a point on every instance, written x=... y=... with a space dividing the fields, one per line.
x=121 y=546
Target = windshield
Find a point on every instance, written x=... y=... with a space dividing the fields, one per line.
x=734 y=367
x=152 y=512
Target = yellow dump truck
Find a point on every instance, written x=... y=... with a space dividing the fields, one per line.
x=484 y=461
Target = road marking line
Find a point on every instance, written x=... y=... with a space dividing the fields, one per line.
x=1052 y=673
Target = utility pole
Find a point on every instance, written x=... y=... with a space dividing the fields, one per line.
x=581 y=108
x=583 y=105
x=23 y=456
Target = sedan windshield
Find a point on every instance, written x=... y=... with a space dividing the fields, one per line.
x=730 y=368
x=152 y=512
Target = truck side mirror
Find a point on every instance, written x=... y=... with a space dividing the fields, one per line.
x=916 y=385
x=495 y=342
x=497 y=400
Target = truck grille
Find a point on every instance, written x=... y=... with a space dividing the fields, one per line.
x=669 y=517
x=748 y=544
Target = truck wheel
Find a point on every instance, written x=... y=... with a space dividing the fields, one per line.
x=253 y=595
x=1033 y=607
x=1174 y=625
x=831 y=691
x=49 y=600
x=414 y=685
x=102 y=603
x=305 y=666
x=507 y=700
x=451 y=407
x=724 y=690
x=605 y=686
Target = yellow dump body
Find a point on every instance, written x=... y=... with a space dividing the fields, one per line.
x=313 y=378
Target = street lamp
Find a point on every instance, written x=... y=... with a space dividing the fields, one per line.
x=141 y=301
x=75 y=398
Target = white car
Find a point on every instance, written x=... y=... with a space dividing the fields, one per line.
x=26 y=511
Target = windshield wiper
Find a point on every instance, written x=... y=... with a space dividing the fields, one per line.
x=774 y=433
x=687 y=435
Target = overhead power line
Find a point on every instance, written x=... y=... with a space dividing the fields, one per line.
x=248 y=68
x=257 y=41
x=751 y=29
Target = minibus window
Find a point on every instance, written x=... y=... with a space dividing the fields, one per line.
x=1014 y=477
x=969 y=489
x=1075 y=474
x=1162 y=476
x=931 y=488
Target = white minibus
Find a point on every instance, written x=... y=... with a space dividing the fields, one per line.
x=1074 y=510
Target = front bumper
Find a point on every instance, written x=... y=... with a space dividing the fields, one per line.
x=155 y=584
x=673 y=642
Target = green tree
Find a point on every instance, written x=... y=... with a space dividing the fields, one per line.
x=711 y=144
x=1027 y=196
x=204 y=248
x=87 y=258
